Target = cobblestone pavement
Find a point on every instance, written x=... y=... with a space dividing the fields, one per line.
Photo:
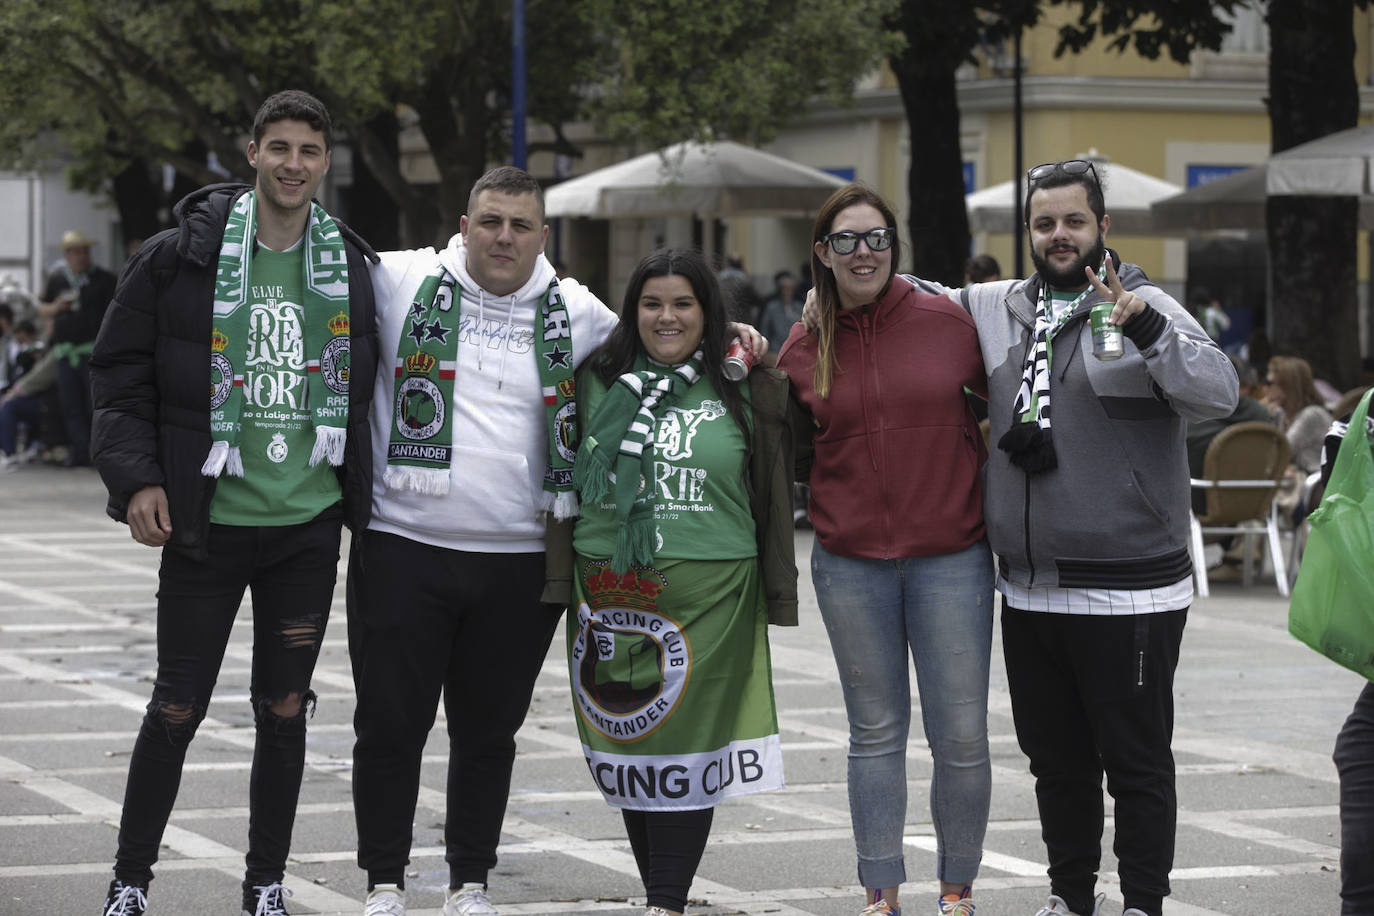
x=1257 y=716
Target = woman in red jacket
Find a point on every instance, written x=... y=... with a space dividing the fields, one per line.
x=900 y=562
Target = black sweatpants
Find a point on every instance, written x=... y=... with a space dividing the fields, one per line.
x=424 y=619
x=1094 y=694
x=291 y=571
x=1355 y=762
x=668 y=846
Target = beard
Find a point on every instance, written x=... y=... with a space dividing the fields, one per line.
x=1072 y=276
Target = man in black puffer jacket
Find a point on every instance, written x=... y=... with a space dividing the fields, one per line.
x=232 y=380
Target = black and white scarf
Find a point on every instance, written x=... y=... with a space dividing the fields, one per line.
x=1029 y=442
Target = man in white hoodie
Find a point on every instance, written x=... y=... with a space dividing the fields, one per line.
x=448 y=588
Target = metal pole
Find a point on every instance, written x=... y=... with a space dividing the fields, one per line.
x=519 y=155
x=1018 y=167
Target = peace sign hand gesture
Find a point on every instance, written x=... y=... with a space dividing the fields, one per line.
x=1128 y=305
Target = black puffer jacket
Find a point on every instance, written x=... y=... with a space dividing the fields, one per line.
x=150 y=371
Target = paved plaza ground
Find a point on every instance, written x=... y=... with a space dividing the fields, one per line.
x=1257 y=715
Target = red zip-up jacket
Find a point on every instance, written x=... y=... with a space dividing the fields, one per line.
x=898 y=455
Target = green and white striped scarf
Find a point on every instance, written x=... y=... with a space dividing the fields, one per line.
x=326 y=331
x=628 y=416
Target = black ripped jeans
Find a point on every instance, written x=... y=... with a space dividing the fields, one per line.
x=290 y=571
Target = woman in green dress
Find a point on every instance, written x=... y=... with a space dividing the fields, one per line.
x=683 y=556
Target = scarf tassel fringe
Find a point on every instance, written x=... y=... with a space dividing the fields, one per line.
x=223 y=459
x=563 y=505
x=592 y=472
x=634 y=545
x=329 y=445
x=427 y=481
x=1030 y=447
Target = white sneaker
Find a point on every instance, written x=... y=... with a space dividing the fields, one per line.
x=385 y=900
x=1057 y=907
x=469 y=900
x=1133 y=911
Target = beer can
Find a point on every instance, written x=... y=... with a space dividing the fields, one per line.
x=739 y=359
x=1107 y=339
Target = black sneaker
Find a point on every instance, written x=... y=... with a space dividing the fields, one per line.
x=125 y=900
x=266 y=900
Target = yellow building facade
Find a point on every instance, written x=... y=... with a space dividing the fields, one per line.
x=1181 y=123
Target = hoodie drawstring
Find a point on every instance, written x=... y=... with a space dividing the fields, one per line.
x=481 y=328
x=505 y=343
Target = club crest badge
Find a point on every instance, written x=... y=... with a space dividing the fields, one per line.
x=221 y=370
x=277 y=449
x=565 y=431
x=334 y=364
x=420 y=408
x=631 y=661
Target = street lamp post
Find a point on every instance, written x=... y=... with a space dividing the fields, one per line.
x=519 y=154
x=1018 y=249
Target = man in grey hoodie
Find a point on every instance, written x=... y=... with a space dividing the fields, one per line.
x=1087 y=512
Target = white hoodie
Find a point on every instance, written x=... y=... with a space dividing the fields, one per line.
x=500 y=429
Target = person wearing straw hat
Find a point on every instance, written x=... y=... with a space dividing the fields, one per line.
x=74 y=302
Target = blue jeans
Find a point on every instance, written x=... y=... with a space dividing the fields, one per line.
x=940 y=609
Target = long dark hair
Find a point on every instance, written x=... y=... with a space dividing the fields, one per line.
x=827 y=293
x=617 y=355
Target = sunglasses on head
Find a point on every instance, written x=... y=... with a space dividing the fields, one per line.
x=1068 y=167
x=846 y=241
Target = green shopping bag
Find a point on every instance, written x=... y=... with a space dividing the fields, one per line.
x=1332 y=608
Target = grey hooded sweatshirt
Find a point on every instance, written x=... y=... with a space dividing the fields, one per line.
x=1114 y=513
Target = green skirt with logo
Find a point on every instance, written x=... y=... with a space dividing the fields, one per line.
x=672 y=682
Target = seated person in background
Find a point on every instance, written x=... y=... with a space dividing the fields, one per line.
x=1302 y=414
x=1304 y=419
x=1202 y=432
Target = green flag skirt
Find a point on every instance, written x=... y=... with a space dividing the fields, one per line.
x=672 y=682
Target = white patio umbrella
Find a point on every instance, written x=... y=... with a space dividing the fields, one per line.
x=1129 y=194
x=1336 y=165
x=705 y=180
x=1233 y=202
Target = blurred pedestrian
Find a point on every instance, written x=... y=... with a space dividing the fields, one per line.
x=21 y=403
x=781 y=311
x=701 y=558
x=74 y=300
x=981 y=268
x=1210 y=314
x=742 y=300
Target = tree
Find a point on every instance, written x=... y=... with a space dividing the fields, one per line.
x=732 y=68
x=129 y=83
x=941 y=35
x=1313 y=92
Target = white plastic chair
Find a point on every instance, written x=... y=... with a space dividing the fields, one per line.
x=1242 y=470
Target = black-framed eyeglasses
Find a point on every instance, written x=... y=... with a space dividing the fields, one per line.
x=845 y=241
x=1068 y=167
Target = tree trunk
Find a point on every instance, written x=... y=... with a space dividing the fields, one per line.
x=938 y=38
x=372 y=211
x=138 y=201
x=1313 y=92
